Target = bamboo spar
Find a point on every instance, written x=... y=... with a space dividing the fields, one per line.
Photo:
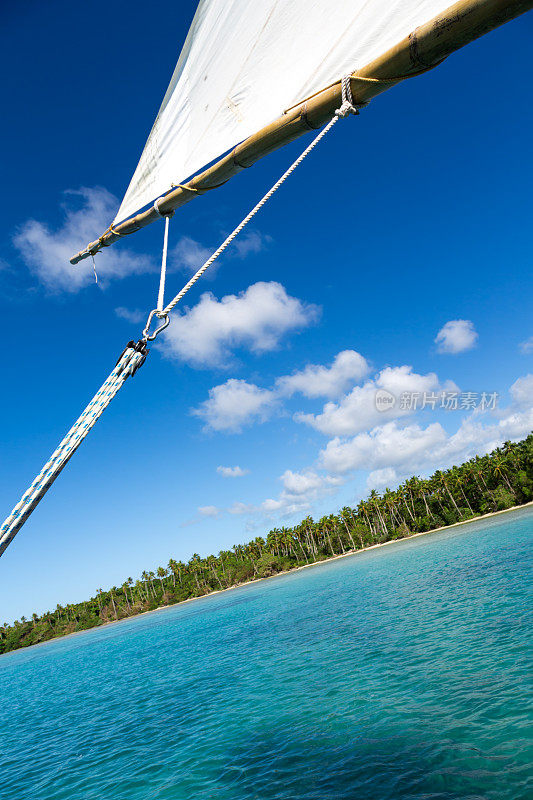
x=423 y=49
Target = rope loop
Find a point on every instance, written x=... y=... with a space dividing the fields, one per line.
x=347 y=102
x=184 y=187
x=161 y=214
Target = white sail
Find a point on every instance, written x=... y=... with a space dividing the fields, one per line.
x=245 y=62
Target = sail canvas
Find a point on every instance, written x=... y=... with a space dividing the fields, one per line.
x=245 y=62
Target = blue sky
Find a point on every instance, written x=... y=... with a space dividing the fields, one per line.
x=405 y=220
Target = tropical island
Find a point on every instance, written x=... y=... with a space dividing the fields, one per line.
x=483 y=485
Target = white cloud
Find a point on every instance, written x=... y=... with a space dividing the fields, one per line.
x=412 y=449
x=251 y=242
x=385 y=446
x=357 y=411
x=298 y=483
x=47 y=252
x=240 y=508
x=188 y=254
x=380 y=478
x=209 y=511
x=456 y=336
x=522 y=391
x=527 y=346
x=232 y=472
x=135 y=316
x=284 y=506
x=257 y=318
x=316 y=380
x=233 y=404
x=300 y=491
x=390 y=452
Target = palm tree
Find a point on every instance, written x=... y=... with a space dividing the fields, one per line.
x=162 y=573
x=124 y=588
x=460 y=479
x=113 y=603
x=499 y=471
x=173 y=568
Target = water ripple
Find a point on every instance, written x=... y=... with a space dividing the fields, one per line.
x=398 y=673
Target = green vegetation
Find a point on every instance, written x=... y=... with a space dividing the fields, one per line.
x=480 y=486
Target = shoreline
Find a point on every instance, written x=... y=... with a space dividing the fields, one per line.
x=271 y=577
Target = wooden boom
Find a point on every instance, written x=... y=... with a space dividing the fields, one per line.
x=422 y=50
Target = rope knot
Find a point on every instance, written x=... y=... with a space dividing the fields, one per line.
x=345 y=109
x=347 y=105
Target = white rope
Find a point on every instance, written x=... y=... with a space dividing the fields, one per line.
x=134 y=355
x=347 y=107
x=94 y=269
x=161 y=295
x=347 y=104
x=128 y=363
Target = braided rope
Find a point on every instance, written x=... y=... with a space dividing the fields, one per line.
x=346 y=108
x=133 y=356
x=163 y=275
x=130 y=360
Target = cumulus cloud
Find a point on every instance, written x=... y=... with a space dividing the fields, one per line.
x=412 y=448
x=358 y=410
x=232 y=472
x=234 y=404
x=456 y=336
x=526 y=346
x=522 y=391
x=300 y=490
x=390 y=451
x=385 y=446
x=257 y=318
x=316 y=380
x=86 y=214
x=381 y=478
x=131 y=315
x=209 y=511
x=298 y=483
x=283 y=506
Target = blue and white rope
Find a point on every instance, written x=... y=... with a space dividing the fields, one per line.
x=130 y=360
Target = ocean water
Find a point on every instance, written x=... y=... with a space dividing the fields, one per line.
x=398 y=673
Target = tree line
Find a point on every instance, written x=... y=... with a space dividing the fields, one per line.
x=482 y=485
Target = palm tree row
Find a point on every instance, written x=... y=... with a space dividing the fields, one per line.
x=484 y=484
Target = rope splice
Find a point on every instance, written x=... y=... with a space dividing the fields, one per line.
x=130 y=360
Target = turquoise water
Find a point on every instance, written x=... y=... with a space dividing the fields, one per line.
x=396 y=673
